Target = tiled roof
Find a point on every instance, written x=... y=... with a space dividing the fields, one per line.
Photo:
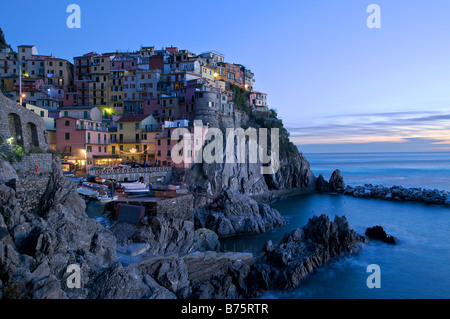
x=133 y=118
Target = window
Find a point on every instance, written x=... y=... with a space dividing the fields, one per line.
x=120 y=127
x=67 y=136
x=159 y=142
x=99 y=149
x=67 y=123
x=85 y=113
x=106 y=151
x=42 y=113
x=113 y=149
x=168 y=141
x=121 y=147
x=68 y=149
x=66 y=113
x=136 y=126
x=89 y=149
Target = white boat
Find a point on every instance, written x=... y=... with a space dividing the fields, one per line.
x=135 y=186
x=106 y=198
x=86 y=191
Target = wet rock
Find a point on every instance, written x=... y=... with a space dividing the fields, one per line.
x=301 y=252
x=377 y=232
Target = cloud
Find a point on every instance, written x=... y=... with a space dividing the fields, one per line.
x=425 y=129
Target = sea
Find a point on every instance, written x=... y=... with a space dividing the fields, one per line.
x=418 y=267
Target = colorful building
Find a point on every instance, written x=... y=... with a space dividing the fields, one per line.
x=166 y=140
x=81 y=140
x=134 y=140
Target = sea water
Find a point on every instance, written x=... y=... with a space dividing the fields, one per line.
x=417 y=267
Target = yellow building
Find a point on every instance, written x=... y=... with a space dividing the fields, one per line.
x=134 y=140
x=99 y=84
x=58 y=72
x=116 y=96
x=207 y=72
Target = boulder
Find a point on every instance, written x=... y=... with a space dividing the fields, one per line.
x=299 y=253
x=205 y=240
x=337 y=182
x=322 y=186
x=378 y=233
x=232 y=214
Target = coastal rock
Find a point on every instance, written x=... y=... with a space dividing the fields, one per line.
x=337 y=182
x=377 y=232
x=119 y=283
x=209 y=179
x=322 y=186
x=399 y=193
x=232 y=214
x=205 y=240
x=163 y=235
x=37 y=246
x=7 y=172
x=299 y=253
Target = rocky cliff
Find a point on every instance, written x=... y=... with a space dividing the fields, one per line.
x=294 y=171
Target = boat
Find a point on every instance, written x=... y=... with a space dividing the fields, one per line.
x=106 y=198
x=87 y=191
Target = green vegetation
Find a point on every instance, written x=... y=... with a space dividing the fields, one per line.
x=36 y=150
x=11 y=151
x=240 y=99
x=3 y=43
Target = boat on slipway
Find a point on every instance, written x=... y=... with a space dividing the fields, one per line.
x=96 y=191
x=135 y=188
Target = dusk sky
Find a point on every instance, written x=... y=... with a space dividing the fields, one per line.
x=338 y=85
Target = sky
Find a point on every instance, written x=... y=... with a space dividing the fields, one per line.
x=338 y=85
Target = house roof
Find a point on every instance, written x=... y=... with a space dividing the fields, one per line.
x=133 y=118
x=77 y=108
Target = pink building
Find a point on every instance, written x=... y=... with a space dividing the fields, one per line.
x=125 y=62
x=258 y=100
x=164 y=144
x=81 y=140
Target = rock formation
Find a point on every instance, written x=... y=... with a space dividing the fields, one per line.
x=233 y=214
x=299 y=253
x=399 y=193
x=377 y=232
x=336 y=181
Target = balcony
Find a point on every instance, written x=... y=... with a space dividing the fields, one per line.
x=91 y=128
x=91 y=142
x=130 y=141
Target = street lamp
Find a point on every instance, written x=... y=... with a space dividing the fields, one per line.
x=22 y=96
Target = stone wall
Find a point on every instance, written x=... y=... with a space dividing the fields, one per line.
x=29 y=191
x=25 y=126
x=146 y=175
x=28 y=164
x=181 y=207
